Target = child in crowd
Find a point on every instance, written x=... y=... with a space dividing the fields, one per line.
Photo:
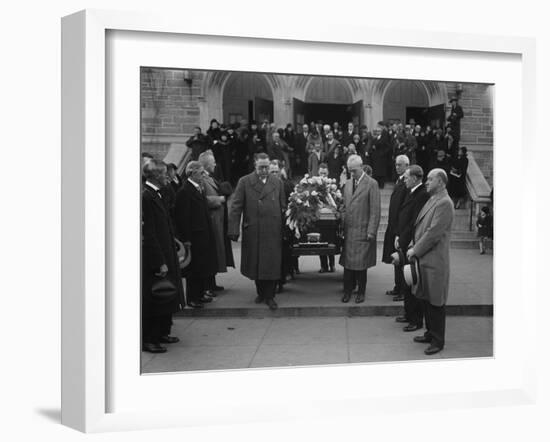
x=484 y=228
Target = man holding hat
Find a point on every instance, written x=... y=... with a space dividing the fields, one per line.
x=432 y=237
x=414 y=200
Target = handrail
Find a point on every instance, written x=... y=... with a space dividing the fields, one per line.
x=477 y=186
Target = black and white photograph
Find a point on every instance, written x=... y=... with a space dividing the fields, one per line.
x=296 y=220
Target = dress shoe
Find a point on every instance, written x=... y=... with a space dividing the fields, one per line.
x=205 y=299
x=323 y=271
x=218 y=288
x=210 y=294
x=432 y=350
x=271 y=304
x=398 y=298
x=360 y=298
x=391 y=293
x=169 y=339
x=153 y=348
x=195 y=304
x=346 y=297
x=259 y=300
x=422 y=339
x=331 y=269
x=401 y=319
x=411 y=327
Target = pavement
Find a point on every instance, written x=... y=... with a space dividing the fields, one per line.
x=313 y=327
x=315 y=294
x=240 y=343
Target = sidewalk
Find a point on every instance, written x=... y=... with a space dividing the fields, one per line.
x=236 y=343
x=315 y=294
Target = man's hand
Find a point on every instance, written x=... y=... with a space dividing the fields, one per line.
x=396 y=243
x=410 y=253
x=163 y=271
x=370 y=237
x=234 y=238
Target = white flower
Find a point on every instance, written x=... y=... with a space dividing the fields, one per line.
x=333 y=186
x=306 y=175
x=299 y=201
x=306 y=204
x=314 y=193
x=287 y=212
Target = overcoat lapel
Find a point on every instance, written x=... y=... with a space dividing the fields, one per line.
x=156 y=198
x=429 y=204
x=361 y=187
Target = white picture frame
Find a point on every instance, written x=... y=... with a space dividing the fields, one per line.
x=86 y=234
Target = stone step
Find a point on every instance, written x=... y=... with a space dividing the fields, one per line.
x=326 y=311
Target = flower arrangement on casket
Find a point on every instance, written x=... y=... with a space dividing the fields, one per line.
x=310 y=196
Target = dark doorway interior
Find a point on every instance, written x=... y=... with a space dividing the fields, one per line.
x=328 y=113
x=434 y=116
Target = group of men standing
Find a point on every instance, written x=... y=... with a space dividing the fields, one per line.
x=420 y=219
x=200 y=222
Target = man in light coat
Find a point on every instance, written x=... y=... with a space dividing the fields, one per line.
x=260 y=199
x=432 y=237
x=360 y=217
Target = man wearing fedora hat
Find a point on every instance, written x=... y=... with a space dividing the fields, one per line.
x=432 y=237
x=414 y=200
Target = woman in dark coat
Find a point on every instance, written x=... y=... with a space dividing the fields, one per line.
x=381 y=151
x=213 y=133
x=335 y=163
x=457 y=177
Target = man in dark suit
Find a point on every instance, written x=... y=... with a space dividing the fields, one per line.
x=159 y=260
x=396 y=201
x=415 y=199
x=194 y=230
x=347 y=136
x=260 y=199
x=456 y=114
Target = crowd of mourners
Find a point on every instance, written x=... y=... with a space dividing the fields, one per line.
x=302 y=151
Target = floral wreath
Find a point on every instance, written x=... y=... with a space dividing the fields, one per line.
x=311 y=195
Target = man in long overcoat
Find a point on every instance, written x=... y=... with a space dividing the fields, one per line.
x=216 y=196
x=159 y=260
x=432 y=237
x=260 y=199
x=396 y=200
x=360 y=217
x=194 y=230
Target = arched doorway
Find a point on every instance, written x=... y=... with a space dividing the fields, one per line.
x=327 y=99
x=247 y=96
x=405 y=100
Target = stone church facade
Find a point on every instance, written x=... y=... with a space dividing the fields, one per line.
x=173 y=101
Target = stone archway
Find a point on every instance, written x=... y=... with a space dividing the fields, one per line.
x=434 y=92
x=214 y=83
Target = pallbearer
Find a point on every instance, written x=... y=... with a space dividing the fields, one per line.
x=360 y=217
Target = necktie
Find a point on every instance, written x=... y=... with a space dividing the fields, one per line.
x=354 y=185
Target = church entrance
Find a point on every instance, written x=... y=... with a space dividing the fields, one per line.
x=328 y=100
x=407 y=102
x=247 y=96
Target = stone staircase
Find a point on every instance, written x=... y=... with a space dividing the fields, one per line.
x=461 y=238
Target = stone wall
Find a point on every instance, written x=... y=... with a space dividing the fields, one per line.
x=169 y=108
x=477 y=102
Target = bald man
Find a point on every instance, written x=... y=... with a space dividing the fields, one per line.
x=431 y=246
